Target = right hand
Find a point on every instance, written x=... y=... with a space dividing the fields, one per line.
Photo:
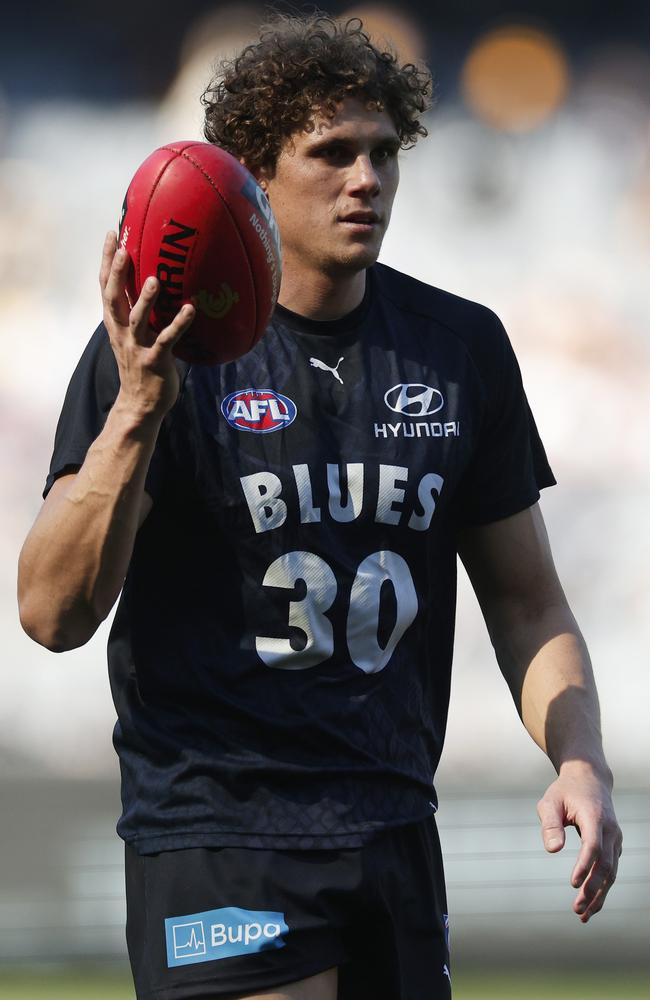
x=149 y=381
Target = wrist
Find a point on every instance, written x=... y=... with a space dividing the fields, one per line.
x=594 y=766
x=137 y=417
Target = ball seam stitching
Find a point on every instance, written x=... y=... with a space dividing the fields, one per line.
x=212 y=184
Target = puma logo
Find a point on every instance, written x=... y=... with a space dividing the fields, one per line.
x=315 y=363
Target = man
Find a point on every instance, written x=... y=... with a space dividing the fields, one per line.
x=280 y=657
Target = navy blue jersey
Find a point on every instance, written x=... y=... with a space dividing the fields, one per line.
x=280 y=659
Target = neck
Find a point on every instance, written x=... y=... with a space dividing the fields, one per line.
x=321 y=296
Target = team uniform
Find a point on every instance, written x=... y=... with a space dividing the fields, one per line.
x=280 y=658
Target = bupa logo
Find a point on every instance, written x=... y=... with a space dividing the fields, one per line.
x=222 y=933
x=414 y=399
x=188 y=940
x=258 y=410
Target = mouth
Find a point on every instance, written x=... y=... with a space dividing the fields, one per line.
x=361 y=221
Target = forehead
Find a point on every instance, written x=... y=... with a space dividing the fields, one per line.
x=352 y=120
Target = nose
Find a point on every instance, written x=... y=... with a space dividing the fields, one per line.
x=364 y=178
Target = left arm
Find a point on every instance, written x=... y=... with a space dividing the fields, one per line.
x=545 y=662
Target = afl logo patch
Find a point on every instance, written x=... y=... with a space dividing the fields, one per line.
x=258 y=410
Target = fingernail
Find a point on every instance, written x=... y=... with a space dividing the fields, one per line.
x=150 y=283
x=553 y=843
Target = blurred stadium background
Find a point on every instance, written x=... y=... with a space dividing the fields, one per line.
x=532 y=195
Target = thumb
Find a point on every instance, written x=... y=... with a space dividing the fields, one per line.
x=551 y=816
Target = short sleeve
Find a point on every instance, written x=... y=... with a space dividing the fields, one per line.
x=91 y=393
x=509 y=466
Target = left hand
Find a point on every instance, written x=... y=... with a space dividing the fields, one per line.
x=580 y=797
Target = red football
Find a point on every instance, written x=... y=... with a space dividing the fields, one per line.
x=197 y=220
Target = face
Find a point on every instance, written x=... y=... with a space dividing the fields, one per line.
x=332 y=190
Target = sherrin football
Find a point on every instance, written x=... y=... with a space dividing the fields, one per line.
x=197 y=220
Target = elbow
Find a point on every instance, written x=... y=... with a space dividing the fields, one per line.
x=55 y=643
x=52 y=611
x=59 y=634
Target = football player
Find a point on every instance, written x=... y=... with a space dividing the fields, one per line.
x=280 y=657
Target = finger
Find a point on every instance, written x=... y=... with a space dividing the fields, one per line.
x=180 y=323
x=587 y=908
x=551 y=817
x=595 y=890
x=600 y=879
x=592 y=896
x=590 y=851
x=139 y=315
x=115 y=299
x=600 y=875
x=108 y=252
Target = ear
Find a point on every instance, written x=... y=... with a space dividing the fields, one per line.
x=261 y=174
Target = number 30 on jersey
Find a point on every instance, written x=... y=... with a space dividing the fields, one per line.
x=308 y=615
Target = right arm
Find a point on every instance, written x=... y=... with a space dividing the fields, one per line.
x=76 y=556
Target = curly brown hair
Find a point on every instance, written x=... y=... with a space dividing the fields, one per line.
x=301 y=65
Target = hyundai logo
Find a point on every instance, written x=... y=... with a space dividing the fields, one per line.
x=414 y=399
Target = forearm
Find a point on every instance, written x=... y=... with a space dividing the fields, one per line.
x=545 y=661
x=76 y=556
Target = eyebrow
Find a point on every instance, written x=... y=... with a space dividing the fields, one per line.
x=389 y=139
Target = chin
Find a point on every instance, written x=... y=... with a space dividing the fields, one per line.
x=358 y=258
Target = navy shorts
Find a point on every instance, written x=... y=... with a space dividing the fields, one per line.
x=223 y=922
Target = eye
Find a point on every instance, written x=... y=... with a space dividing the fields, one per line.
x=384 y=153
x=336 y=153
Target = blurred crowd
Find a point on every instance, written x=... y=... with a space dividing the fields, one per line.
x=531 y=194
